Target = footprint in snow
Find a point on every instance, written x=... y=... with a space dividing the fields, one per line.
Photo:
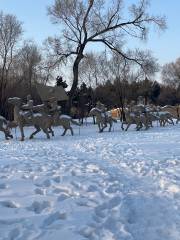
x=57 y=179
x=40 y=191
x=58 y=190
x=113 y=188
x=14 y=233
x=32 y=177
x=42 y=169
x=87 y=232
x=92 y=188
x=102 y=210
x=83 y=203
x=62 y=197
x=45 y=183
x=9 y=204
x=115 y=201
x=100 y=213
x=3 y=186
x=77 y=185
x=54 y=217
x=38 y=207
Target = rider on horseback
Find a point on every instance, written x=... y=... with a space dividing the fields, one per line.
x=101 y=107
x=28 y=108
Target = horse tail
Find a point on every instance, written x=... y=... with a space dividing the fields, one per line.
x=75 y=122
x=177 y=111
x=3 y=120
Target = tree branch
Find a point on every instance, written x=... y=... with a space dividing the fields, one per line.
x=86 y=17
x=114 y=49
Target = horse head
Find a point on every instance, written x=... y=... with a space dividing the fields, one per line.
x=94 y=112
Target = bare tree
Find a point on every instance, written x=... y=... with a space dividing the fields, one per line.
x=171 y=73
x=102 y=22
x=94 y=69
x=10 y=32
x=28 y=60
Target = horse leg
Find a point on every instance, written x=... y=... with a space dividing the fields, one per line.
x=164 y=122
x=146 y=127
x=139 y=126
x=51 y=131
x=38 y=129
x=103 y=126
x=45 y=130
x=110 y=126
x=72 y=133
x=8 y=132
x=122 y=125
x=5 y=134
x=172 y=121
x=127 y=126
x=99 y=126
x=65 y=130
x=22 y=132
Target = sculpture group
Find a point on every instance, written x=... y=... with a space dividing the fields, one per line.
x=144 y=116
x=43 y=117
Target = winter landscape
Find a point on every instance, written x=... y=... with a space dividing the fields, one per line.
x=89 y=120
x=109 y=186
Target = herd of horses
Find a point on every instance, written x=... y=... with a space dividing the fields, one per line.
x=139 y=115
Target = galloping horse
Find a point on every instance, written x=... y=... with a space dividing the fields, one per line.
x=40 y=120
x=102 y=119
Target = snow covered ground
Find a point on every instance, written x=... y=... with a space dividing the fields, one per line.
x=108 y=186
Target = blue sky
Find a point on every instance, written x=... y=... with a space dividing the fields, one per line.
x=36 y=24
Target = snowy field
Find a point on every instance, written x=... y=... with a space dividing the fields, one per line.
x=108 y=186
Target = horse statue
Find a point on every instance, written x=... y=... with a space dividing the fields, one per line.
x=52 y=109
x=41 y=120
x=4 y=128
x=23 y=118
x=139 y=120
x=102 y=119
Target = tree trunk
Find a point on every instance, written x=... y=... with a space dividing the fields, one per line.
x=75 y=78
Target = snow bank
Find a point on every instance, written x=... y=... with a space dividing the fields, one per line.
x=109 y=186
